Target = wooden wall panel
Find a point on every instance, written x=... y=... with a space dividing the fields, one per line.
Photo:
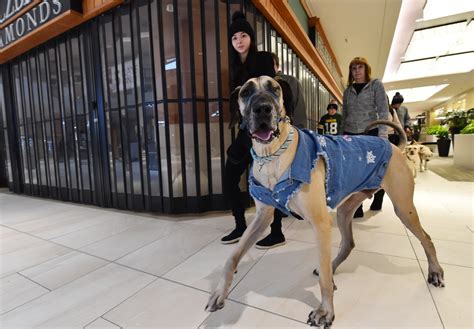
x=92 y=8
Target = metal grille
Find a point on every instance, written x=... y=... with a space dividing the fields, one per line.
x=130 y=110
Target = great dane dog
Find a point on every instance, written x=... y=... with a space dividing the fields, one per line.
x=281 y=156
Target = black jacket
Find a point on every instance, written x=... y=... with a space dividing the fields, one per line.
x=261 y=64
x=295 y=106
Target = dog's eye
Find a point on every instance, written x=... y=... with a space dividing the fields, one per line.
x=276 y=90
x=247 y=90
x=272 y=88
x=245 y=93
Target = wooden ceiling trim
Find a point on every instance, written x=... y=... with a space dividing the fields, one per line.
x=284 y=21
x=305 y=6
x=316 y=22
x=92 y=8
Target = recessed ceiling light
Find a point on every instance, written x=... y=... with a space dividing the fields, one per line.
x=440 y=40
x=417 y=94
x=436 y=8
x=434 y=67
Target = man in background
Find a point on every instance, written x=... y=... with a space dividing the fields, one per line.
x=299 y=117
x=402 y=113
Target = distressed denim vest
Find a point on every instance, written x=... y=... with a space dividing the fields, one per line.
x=353 y=163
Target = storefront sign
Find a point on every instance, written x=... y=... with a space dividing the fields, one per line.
x=19 y=18
x=9 y=9
x=25 y=24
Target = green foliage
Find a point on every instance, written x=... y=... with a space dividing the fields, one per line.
x=470 y=114
x=456 y=121
x=469 y=129
x=438 y=130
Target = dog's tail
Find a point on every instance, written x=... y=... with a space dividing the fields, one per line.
x=397 y=127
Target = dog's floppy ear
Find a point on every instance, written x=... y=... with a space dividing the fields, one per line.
x=287 y=96
x=234 y=107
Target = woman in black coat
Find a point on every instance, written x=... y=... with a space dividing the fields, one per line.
x=246 y=63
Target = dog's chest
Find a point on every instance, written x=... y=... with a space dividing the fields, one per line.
x=269 y=174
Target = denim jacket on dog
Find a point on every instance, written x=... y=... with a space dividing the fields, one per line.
x=353 y=163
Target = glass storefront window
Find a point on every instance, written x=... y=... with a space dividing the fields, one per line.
x=169 y=45
x=131 y=109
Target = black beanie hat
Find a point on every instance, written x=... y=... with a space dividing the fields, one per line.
x=397 y=98
x=331 y=106
x=240 y=24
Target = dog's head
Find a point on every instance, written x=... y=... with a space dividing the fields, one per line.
x=261 y=107
x=412 y=150
x=425 y=152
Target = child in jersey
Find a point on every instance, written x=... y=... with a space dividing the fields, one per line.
x=330 y=123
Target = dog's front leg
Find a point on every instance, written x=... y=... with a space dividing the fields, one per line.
x=321 y=220
x=263 y=217
x=324 y=314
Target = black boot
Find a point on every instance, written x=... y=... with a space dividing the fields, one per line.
x=271 y=241
x=378 y=200
x=359 y=212
x=276 y=237
x=236 y=234
x=233 y=236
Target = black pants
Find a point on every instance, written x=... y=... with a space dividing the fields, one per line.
x=238 y=160
x=378 y=197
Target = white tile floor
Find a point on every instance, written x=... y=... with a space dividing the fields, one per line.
x=67 y=265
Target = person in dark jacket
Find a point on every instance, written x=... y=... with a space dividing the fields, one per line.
x=330 y=123
x=394 y=138
x=246 y=63
x=402 y=112
x=364 y=101
x=298 y=105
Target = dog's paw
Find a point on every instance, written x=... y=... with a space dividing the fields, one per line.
x=215 y=302
x=436 y=279
x=321 y=317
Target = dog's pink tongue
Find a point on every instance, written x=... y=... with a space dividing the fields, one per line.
x=263 y=134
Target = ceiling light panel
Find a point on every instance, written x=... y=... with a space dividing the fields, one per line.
x=434 y=67
x=441 y=40
x=418 y=94
x=440 y=8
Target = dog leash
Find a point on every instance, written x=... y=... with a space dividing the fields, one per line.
x=261 y=161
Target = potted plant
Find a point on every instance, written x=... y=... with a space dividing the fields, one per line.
x=469 y=129
x=456 y=121
x=444 y=142
x=464 y=152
